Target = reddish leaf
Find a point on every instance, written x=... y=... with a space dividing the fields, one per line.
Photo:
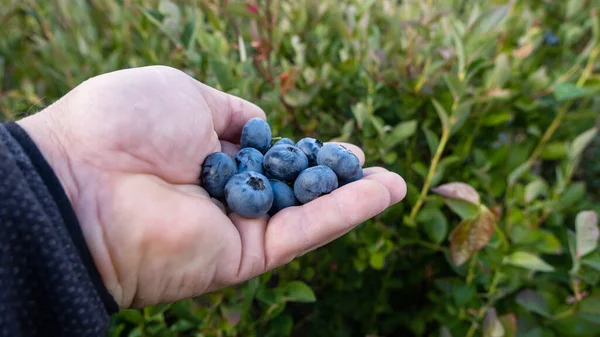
x=470 y=236
x=492 y=327
x=482 y=231
x=509 y=321
x=459 y=243
x=232 y=315
x=458 y=190
x=587 y=230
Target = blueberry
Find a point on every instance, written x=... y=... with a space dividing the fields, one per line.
x=551 y=39
x=249 y=159
x=285 y=162
x=249 y=194
x=342 y=161
x=284 y=141
x=283 y=196
x=357 y=176
x=256 y=134
x=314 y=182
x=310 y=147
x=217 y=169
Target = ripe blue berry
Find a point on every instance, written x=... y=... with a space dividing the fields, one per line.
x=217 y=169
x=283 y=196
x=284 y=141
x=551 y=39
x=342 y=161
x=310 y=147
x=358 y=176
x=249 y=159
x=249 y=194
x=256 y=134
x=285 y=162
x=314 y=182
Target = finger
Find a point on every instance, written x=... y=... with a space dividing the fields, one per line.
x=229 y=112
x=373 y=170
x=252 y=234
x=355 y=149
x=395 y=183
x=229 y=148
x=295 y=230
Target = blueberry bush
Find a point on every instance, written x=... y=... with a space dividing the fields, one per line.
x=489 y=109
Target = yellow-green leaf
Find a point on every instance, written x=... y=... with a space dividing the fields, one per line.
x=528 y=261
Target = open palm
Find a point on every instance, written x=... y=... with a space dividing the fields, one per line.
x=128 y=148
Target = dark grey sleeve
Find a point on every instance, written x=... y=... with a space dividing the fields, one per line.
x=49 y=285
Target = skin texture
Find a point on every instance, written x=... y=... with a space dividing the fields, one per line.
x=285 y=162
x=217 y=169
x=128 y=148
x=249 y=194
x=314 y=182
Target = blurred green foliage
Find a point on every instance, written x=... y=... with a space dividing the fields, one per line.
x=489 y=110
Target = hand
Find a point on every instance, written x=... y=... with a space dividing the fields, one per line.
x=128 y=148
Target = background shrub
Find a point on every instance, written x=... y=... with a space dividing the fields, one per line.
x=489 y=109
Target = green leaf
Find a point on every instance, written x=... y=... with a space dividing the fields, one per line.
x=464 y=209
x=460 y=51
x=222 y=73
x=587 y=232
x=571 y=240
x=581 y=142
x=445 y=332
x=460 y=115
x=555 y=150
x=377 y=260
x=528 y=261
x=442 y=114
x=589 y=309
x=573 y=194
x=517 y=173
x=592 y=260
x=502 y=71
x=280 y=326
x=434 y=224
x=488 y=21
x=534 y=189
x=456 y=86
x=360 y=112
x=534 y=302
x=493 y=119
x=463 y=293
x=401 y=132
x=567 y=91
x=298 y=98
x=548 y=243
x=132 y=315
x=298 y=291
x=432 y=140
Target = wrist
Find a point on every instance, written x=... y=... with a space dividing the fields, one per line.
x=47 y=135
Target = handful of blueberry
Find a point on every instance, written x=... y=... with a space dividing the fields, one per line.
x=266 y=178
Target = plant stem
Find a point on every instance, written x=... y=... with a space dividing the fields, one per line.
x=483 y=311
x=430 y=174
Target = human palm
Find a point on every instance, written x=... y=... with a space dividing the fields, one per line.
x=128 y=148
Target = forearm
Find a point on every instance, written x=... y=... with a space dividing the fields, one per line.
x=49 y=283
